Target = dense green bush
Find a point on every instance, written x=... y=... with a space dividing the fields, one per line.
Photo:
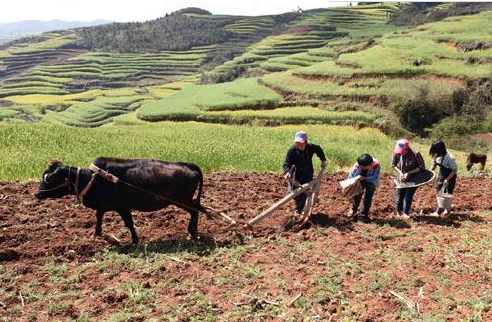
x=477 y=100
x=467 y=108
x=471 y=115
x=426 y=108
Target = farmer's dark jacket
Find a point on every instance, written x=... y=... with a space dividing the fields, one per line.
x=303 y=160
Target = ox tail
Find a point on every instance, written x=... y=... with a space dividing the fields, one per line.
x=200 y=187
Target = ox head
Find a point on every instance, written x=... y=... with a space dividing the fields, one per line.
x=55 y=182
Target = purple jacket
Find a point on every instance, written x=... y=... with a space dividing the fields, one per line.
x=408 y=162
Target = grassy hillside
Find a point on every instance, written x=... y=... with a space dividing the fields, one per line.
x=326 y=66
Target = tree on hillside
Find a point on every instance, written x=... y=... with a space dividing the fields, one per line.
x=177 y=31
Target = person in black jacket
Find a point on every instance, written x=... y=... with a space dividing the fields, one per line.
x=300 y=155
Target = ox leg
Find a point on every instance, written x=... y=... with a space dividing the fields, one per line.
x=193 y=225
x=99 y=218
x=126 y=215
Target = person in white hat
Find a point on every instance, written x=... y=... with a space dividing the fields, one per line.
x=300 y=155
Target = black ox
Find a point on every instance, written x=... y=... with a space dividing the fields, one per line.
x=143 y=185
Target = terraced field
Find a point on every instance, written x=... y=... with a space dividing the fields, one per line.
x=48 y=48
x=312 y=87
x=106 y=70
x=326 y=66
x=303 y=42
x=251 y=25
x=190 y=102
x=51 y=81
x=442 y=56
x=429 y=49
x=311 y=40
x=373 y=62
x=86 y=109
x=98 y=112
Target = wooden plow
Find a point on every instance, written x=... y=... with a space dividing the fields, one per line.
x=311 y=189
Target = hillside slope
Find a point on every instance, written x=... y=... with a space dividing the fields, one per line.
x=345 y=65
x=41 y=75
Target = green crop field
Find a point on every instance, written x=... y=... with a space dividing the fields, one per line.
x=328 y=68
x=291 y=115
x=250 y=25
x=51 y=42
x=26 y=148
x=40 y=99
x=354 y=88
x=461 y=29
x=191 y=100
x=396 y=55
x=95 y=113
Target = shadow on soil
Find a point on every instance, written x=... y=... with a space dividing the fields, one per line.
x=451 y=220
x=347 y=224
x=392 y=222
x=203 y=246
x=341 y=223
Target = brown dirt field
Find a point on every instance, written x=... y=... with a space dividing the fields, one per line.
x=51 y=268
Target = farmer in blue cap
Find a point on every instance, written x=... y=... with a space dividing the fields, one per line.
x=300 y=155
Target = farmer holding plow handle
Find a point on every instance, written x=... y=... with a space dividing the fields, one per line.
x=300 y=159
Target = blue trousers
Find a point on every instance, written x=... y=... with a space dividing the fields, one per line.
x=404 y=198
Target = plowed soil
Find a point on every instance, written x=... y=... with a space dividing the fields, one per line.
x=437 y=265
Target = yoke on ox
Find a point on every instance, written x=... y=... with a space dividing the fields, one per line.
x=124 y=185
x=311 y=189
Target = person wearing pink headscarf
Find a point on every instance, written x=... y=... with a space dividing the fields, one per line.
x=407 y=162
